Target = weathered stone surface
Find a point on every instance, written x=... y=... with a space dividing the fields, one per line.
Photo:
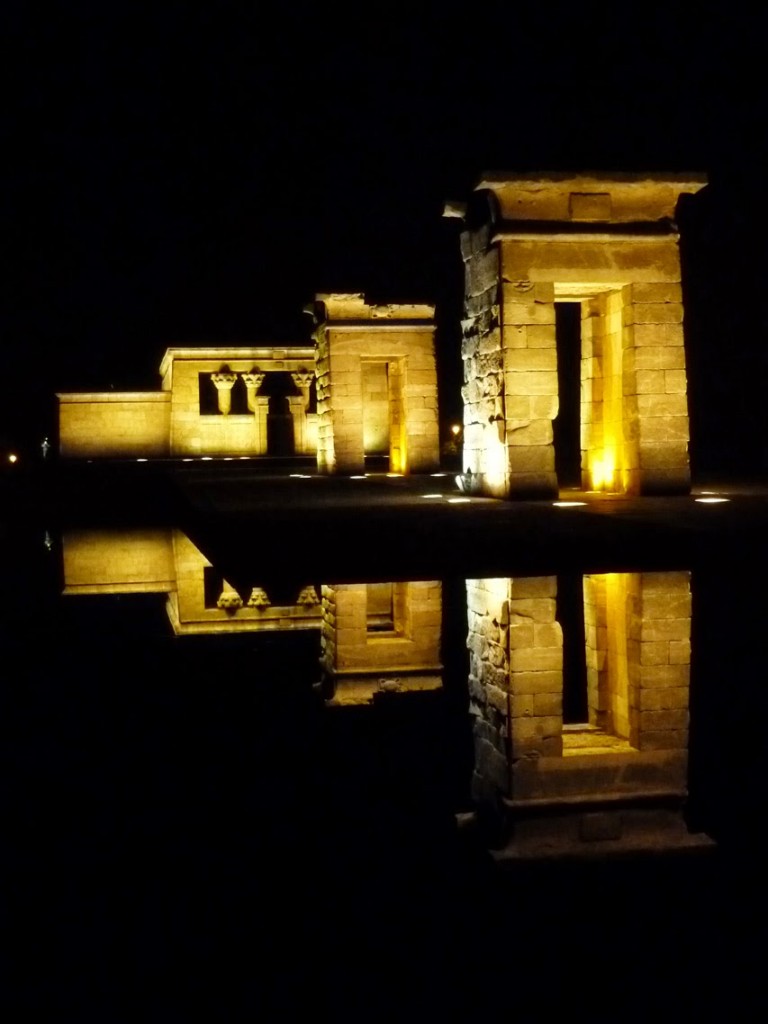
x=534 y=434
x=657 y=312
x=647 y=292
x=533 y=586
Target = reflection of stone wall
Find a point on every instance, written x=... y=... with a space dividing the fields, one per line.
x=117 y=561
x=637 y=631
x=114 y=424
x=660 y=660
x=358 y=662
x=515 y=680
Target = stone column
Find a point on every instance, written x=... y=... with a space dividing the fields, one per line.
x=303 y=381
x=224 y=382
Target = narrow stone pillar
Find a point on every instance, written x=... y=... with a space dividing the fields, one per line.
x=224 y=382
x=253 y=382
x=299 y=417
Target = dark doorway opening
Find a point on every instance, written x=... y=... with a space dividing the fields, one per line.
x=278 y=386
x=570 y=615
x=567 y=423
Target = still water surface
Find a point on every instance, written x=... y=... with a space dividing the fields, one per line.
x=193 y=824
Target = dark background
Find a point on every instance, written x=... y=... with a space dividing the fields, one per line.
x=178 y=174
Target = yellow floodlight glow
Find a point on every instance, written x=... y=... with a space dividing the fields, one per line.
x=567 y=504
x=188 y=459
x=394 y=474
x=432 y=495
x=141 y=460
x=711 y=501
x=358 y=476
x=455 y=429
x=457 y=501
x=603 y=472
x=206 y=458
x=13 y=457
x=438 y=474
x=300 y=476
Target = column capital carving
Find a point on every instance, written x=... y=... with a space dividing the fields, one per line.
x=254 y=379
x=308 y=597
x=224 y=381
x=258 y=598
x=303 y=378
x=229 y=600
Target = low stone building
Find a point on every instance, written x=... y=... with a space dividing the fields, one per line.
x=608 y=243
x=214 y=401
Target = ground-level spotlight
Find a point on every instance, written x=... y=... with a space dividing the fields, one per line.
x=711 y=501
x=13 y=458
x=432 y=495
x=567 y=504
x=458 y=501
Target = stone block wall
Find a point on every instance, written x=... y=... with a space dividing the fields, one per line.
x=352 y=339
x=357 y=662
x=637 y=635
x=118 y=561
x=659 y=634
x=655 y=385
x=515 y=677
x=114 y=425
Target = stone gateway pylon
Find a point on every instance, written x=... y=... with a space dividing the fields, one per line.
x=608 y=243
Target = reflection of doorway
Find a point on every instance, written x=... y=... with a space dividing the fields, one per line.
x=566 y=426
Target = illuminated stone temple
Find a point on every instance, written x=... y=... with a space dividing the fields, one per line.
x=606 y=245
x=368 y=387
x=213 y=401
x=377 y=385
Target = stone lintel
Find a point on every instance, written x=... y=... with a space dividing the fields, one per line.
x=90 y=397
x=558 y=231
x=614 y=197
x=262 y=354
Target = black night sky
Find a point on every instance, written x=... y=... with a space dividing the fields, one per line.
x=182 y=174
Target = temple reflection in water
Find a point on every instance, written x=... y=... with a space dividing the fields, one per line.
x=578 y=685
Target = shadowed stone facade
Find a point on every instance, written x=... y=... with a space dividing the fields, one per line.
x=607 y=242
